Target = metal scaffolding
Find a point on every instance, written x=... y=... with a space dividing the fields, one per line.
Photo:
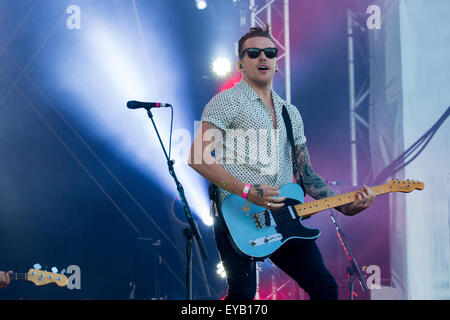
x=260 y=10
x=358 y=89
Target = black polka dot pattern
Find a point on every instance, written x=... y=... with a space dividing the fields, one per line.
x=251 y=149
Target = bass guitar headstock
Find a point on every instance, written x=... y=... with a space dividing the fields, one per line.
x=40 y=277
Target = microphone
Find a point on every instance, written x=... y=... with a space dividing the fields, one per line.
x=146 y=105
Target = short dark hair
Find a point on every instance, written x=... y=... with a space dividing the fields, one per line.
x=254 y=32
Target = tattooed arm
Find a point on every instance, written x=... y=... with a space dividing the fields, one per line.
x=313 y=184
x=317 y=188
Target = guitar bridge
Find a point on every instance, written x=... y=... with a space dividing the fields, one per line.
x=264 y=219
x=257 y=220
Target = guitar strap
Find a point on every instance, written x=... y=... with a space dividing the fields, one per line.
x=213 y=190
x=290 y=134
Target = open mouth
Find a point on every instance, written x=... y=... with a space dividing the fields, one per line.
x=263 y=68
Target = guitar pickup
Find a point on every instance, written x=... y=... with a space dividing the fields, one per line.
x=267 y=218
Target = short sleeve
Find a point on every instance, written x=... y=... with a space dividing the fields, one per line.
x=297 y=125
x=219 y=110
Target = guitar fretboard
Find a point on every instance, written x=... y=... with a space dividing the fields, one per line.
x=18 y=276
x=312 y=207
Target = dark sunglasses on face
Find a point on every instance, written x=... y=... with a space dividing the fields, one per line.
x=254 y=53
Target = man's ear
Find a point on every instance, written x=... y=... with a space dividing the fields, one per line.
x=239 y=65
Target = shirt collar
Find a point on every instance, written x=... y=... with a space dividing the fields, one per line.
x=247 y=89
x=253 y=96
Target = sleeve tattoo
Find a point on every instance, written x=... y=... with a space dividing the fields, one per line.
x=313 y=184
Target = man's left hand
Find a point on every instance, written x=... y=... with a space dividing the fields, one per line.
x=365 y=197
x=4 y=279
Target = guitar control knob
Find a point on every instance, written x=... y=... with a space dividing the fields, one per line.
x=252 y=243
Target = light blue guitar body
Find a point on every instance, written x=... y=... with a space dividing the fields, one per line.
x=258 y=232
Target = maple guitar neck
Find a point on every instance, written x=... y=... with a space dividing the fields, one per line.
x=258 y=231
x=312 y=207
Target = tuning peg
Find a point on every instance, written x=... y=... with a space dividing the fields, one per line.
x=54 y=270
x=37 y=266
x=63 y=271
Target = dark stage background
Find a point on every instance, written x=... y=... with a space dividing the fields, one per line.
x=72 y=192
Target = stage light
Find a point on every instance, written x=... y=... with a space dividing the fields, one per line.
x=127 y=74
x=201 y=4
x=220 y=270
x=221 y=67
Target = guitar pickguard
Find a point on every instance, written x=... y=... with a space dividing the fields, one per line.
x=258 y=232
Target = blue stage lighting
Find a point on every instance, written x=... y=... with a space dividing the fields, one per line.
x=114 y=68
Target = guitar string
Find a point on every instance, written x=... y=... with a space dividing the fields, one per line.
x=284 y=214
x=281 y=215
x=25 y=276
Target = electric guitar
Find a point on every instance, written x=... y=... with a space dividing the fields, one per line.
x=40 y=277
x=258 y=232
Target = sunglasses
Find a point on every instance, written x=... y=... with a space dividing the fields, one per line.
x=254 y=53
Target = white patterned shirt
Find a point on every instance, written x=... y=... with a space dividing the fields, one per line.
x=252 y=150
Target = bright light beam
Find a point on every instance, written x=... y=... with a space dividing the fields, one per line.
x=115 y=76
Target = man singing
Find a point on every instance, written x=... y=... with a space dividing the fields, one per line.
x=253 y=106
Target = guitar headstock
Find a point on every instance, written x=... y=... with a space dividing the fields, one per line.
x=405 y=185
x=40 y=277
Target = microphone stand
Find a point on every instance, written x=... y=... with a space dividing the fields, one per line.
x=187 y=232
x=354 y=267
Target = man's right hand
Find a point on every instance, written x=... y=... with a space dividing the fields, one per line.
x=265 y=196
